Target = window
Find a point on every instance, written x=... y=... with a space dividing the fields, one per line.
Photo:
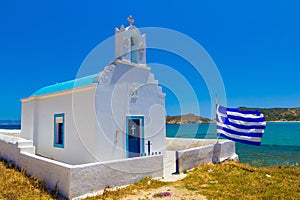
x=59 y=130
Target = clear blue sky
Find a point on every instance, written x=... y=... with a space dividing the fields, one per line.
x=255 y=45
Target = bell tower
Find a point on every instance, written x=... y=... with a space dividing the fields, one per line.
x=130 y=44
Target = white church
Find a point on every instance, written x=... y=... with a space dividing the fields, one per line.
x=115 y=114
x=106 y=129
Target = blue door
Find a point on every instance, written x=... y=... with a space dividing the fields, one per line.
x=134 y=136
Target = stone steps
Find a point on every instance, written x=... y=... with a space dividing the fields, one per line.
x=28 y=149
x=25 y=143
x=26 y=146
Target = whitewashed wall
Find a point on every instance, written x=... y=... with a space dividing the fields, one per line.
x=27 y=119
x=79 y=180
x=79 y=126
x=114 y=103
x=97 y=176
x=194 y=152
x=79 y=132
x=95 y=117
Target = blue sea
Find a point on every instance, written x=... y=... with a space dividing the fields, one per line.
x=10 y=126
x=280 y=142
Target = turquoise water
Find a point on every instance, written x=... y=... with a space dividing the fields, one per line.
x=280 y=143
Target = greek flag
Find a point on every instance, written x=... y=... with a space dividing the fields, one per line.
x=240 y=126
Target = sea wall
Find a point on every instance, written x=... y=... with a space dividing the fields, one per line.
x=194 y=152
x=78 y=180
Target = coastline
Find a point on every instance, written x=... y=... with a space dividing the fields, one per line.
x=283 y=121
x=215 y=122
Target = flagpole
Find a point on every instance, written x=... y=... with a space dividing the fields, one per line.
x=216 y=119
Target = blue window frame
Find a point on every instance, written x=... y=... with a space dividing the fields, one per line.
x=59 y=130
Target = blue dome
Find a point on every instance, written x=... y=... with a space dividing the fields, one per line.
x=80 y=82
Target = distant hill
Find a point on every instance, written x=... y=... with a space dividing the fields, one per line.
x=270 y=114
x=187 y=119
x=278 y=114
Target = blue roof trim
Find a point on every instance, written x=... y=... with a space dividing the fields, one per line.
x=80 y=82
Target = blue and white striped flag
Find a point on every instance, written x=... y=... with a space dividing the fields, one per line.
x=240 y=126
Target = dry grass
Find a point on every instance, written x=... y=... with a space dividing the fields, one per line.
x=239 y=181
x=16 y=184
x=146 y=184
x=229 y=180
